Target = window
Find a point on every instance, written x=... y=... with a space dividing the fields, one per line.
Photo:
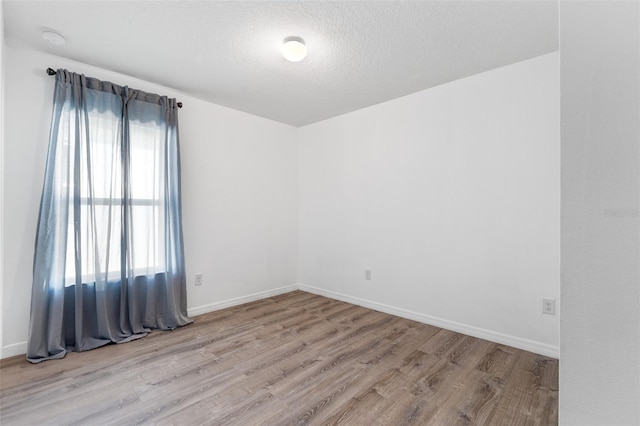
x=101 y=210
x=109 y=256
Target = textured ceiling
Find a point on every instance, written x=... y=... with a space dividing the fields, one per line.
x=360 y=53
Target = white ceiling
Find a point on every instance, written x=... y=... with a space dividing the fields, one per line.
x=360 y=53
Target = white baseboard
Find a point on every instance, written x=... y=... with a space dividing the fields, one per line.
x=14 y=349
x=505 y=339
x=21 y=347
x=493 y=336
x=199 y=310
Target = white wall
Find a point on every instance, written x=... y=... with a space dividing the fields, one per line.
x=239 y=193
x=600 y=327
x=451 y=196
x=1 y=168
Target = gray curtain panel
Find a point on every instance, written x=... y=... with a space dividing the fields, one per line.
x=109 y=260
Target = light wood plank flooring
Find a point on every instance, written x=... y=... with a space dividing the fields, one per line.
x=292 y=359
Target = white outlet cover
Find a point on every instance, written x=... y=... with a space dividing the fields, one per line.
x=199 y=279
x=549 y=306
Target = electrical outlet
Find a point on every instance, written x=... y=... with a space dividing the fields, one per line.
x=199 y=279
x=367 y=274
x=549 y=306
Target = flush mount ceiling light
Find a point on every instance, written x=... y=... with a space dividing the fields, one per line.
x=293 y=49
x=53 y=37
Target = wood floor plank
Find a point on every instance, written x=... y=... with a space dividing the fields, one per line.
x=291 y=359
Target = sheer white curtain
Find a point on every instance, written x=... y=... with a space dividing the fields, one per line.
x=101 y=201
x=109 y=262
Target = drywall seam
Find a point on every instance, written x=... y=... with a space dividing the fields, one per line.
x=2 y=127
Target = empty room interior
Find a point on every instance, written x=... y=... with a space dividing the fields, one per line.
x=319 y=212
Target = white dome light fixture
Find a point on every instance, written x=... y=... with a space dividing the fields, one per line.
x=53 y=37
x=294 y=49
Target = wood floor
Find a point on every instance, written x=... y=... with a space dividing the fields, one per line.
x=292 y=359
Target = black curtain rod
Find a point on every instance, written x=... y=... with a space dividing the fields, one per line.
x=51 y=71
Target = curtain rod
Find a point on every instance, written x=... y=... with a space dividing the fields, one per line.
x=51 y=71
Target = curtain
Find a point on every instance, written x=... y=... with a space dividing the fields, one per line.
x=109 y=262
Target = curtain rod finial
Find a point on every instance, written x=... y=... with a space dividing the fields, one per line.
x=51 y=71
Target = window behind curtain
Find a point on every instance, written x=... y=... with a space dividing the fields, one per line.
x=102 y=181
x=109 y=256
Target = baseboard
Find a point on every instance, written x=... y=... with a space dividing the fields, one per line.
x=21 y=347
x=493 y=336
x=505 y=339
x=14 y=349
x=199 y=310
